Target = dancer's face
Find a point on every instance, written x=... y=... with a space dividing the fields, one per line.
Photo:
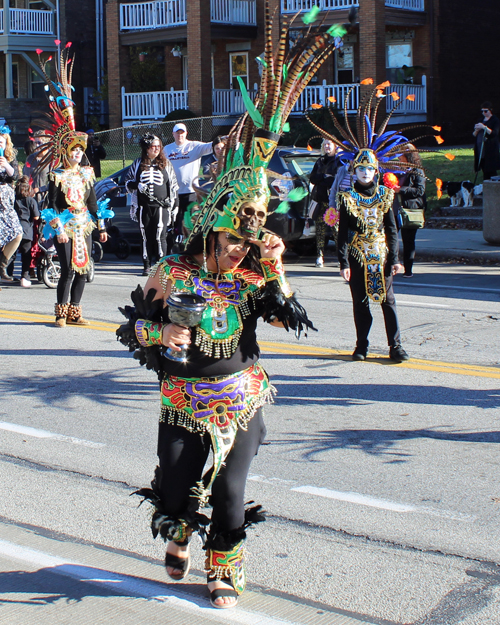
x=75 y=156
x=230 y=251
x=365 y=174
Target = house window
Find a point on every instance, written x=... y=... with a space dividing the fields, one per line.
x=399 y=57
x=238 y=65
x=38 y=84
x=345 y=65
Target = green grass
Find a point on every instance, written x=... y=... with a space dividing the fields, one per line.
x=110 y=167
x=438 y=166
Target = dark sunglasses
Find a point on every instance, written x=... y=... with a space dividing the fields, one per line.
x=232 y=240
x=484 y=110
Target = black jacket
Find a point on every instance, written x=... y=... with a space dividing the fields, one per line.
x=322 y=177
x=27 y=211
x=95 y=154
x=490 y=158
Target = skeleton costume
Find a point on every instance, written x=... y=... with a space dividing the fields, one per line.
x=214 y=400
x=154 y=202
x=73 y=208
x=367 y=236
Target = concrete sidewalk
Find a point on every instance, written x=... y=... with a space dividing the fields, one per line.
x=442 y=244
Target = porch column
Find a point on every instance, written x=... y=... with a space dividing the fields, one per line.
x=9 y=85
x=199 y=57
x=113 y=46
x=372 y=40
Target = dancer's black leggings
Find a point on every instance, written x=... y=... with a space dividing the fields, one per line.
x=70 y=279
x=182 y=455
x=361 y=306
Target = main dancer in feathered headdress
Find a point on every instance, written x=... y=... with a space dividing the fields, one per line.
x=72 y=206
x=214 y=398
x=367 y=244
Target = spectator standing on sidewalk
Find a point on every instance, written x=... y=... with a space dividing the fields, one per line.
x=487 y=131
x=10 y=228
x=409 y=207
x=185 y=157
x=95 y=152
x=26 y=208
x=322 y=177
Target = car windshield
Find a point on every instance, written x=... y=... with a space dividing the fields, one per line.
x=301 y=164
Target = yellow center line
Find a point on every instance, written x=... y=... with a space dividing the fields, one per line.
x=291 y=349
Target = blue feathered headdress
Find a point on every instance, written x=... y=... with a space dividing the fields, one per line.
x=387 y=145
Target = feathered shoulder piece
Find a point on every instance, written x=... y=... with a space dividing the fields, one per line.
x=59 y=123
x=145 y=307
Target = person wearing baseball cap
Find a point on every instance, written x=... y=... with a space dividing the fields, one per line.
x=185 y=157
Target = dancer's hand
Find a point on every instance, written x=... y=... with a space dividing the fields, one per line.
x=396 y=269
x=103 y=237
x=271 y=246
x=62 y=238
x=346 y=274
x=174 y=335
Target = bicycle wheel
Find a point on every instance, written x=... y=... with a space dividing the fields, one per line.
x=51 y=274
x=97 y=251
x=91 y=271
x=122 y=249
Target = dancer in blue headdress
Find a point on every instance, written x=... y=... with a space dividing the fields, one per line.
x=367 y=244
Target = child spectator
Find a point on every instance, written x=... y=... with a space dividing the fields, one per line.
x=26 y=208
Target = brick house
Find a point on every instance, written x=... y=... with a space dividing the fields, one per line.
x=28 y=25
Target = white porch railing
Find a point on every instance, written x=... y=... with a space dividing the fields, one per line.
x=233 y=11
x=156 y=105
x=407 y=107
x=319 y=94
x=167 y=13
x=29 y=22
x=410 y=5
x=146 y=15
x=151 y=105
x=295 y=6
x=229 y=101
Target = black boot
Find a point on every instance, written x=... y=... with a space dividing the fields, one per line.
x=397 y=353
x=147 y=267
x=3 y=269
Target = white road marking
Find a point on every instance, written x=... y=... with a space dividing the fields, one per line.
x=359 y=499
x=450 y=287
x=402 y=302
x=133 y=587
x=28 y=431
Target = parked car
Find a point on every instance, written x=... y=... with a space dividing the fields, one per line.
x=293 y=166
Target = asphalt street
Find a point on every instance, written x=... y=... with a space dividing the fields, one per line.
x=381 y=481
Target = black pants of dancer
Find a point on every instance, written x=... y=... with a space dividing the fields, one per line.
x=70 y=281
x=153 y=222
x=408 y=237
x=182 y=456
x=488 y=173
x=361 y=307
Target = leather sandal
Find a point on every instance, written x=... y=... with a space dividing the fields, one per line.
x=222 y=592
x=181 y=564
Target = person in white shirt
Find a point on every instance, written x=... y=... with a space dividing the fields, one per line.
x=185 y=157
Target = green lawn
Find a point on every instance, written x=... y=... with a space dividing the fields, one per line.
x=438 y=166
